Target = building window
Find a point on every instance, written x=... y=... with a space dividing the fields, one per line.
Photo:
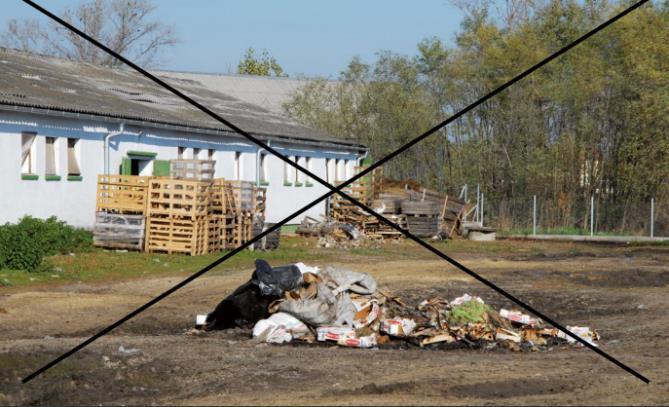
x=328 y=170
x=287 y=174
x=50 y=164
x=196 y=153
x=180 y=152
x=346 y=171
x=337 y=170
x=308 y=167
x=298 y=174
x=73 y=168
x=28 y=164
x=211 y=153
x=238 y=165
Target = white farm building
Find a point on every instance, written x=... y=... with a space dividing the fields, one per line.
x=62 y=123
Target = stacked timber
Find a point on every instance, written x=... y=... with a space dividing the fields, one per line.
x=195 y=170
x=120 y=212
x=422 y=218
x=422 y=211
x=177 y=217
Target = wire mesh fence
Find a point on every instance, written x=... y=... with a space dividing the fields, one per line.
x=596 y=214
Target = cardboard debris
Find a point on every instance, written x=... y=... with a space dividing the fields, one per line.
x=362 y=342
x=334 y=333
x=583 y=332
x=347 y=308
x=519 y=317
x=398 y=327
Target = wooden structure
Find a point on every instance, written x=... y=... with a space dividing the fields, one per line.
x=422 y=211
x=195 y=170
x=122 y=194
x=177 y=216
x=120 y=210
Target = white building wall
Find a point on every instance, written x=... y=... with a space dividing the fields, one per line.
x=74 y=201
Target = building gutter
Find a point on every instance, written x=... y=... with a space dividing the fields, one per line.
x=105 y=146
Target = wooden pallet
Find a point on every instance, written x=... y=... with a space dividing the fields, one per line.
x=124 y=194
x=119 y=231
x=194 y=170
x=243 y=229
x=178 y=198
x=171 y=234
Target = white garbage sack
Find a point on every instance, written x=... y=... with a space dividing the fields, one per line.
x=279 y=328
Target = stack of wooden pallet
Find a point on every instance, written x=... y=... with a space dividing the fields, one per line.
x=120 y=212
x=178 y=216
x=195 y=170
x=423 y=212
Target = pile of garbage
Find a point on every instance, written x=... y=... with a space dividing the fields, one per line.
x=302 y=303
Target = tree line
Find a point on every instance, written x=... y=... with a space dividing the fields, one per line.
x=592 y=123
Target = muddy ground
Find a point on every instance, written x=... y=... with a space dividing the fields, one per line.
x=623 y=293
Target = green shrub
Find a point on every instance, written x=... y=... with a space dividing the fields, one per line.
x=23 y=245
x=20 y=251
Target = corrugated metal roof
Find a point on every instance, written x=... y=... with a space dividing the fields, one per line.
x=57 y=84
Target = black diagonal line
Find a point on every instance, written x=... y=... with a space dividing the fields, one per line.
x=338 y=190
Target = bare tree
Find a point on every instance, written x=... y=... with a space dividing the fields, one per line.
x=123 y=25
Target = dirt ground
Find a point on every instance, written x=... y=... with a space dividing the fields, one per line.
x=621 y=292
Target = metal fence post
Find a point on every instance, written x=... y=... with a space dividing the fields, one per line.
x=592 y=215
x=652 y=217
x=534 y=215
x=482 y=209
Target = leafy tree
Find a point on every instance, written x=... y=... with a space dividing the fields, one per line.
x=592 y=122
x=262 y=65
x=123 y=25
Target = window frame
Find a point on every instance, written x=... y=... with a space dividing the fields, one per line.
x=75 y=148
x=30 y=153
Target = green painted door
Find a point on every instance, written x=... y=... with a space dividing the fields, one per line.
x=161 y=168
x=126 y=166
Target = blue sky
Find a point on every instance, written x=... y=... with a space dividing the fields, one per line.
x=313 y=38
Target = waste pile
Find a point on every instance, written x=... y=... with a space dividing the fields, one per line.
x=344 y=307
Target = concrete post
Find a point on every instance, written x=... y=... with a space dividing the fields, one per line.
x=482 y=209
x=652 y=217
x=592 y=215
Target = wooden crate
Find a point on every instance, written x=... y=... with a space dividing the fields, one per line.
x=221 y=232
x=243 y=229
x=178 y=198
x=237 y=197
x=119 y=231
x=194 y=170
x=423 y=225
x=124 y=194
x=171 y=234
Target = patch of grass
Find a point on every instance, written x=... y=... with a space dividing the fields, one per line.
x=101 y=265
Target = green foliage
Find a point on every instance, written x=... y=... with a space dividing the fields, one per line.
x=25 y=244
x=591 y=122
x=263 y=65
x=468 y=312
